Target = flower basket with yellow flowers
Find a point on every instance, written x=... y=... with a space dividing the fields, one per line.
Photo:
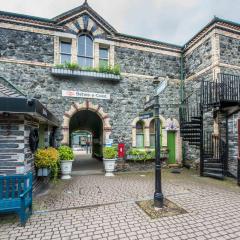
x=46 y=161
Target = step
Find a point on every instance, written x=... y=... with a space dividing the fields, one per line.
x=194 y=144
x=213 y=175
x=191 y=136
x=212 y=160
x=192 y=139
x=212 y=165
x=190 y=123
x=213 y=170
x=191 y=131
x=196 y=118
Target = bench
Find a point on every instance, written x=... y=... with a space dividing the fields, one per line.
x=16 y=195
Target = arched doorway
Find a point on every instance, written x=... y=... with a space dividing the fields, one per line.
x=89 y=127
x=89 y=118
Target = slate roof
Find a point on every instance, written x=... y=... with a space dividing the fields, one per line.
x=7 y=89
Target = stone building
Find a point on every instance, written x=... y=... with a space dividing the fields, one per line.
x=96 y=98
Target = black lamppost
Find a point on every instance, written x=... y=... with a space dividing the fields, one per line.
x=158 y=195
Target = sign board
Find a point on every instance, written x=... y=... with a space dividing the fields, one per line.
x=79 y=94
x=109 y=143
x=162 y=86
x=149 y=104
x=145 y=115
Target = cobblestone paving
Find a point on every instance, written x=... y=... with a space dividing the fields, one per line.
x=104 y=208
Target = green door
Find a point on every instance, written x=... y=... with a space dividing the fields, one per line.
x=171 y=147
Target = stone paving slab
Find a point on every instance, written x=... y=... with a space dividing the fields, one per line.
x=213 y=210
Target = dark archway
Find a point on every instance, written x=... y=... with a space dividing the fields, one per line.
x=89 y=121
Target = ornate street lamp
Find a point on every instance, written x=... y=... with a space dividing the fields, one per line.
x=158 y=195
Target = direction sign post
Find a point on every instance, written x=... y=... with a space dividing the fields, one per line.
x=158 y=195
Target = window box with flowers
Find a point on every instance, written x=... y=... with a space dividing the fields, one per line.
x=75 y=70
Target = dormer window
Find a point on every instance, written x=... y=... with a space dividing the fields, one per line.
x=65 y=52
x=85 y=51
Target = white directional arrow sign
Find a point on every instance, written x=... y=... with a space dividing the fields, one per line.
x=162 y=86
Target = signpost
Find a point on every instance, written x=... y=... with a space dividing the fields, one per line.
x=153 y=103
x=145 y=115
x=162 y=86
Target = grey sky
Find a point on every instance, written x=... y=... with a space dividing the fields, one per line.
x=173 y=21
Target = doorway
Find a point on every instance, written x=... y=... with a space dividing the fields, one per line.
x=86 y=139
x=171 y=143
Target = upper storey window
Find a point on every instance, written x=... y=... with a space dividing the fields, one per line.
x=65 y=52
x=85 y=51
x=103 y=57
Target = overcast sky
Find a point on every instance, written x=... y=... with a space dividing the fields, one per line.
x=173 y=21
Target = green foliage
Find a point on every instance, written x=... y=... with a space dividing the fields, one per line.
x=101 y=69
x=109 y=152
x=48 y=158
x=65 y=153
x=72 y=66
x=140 y=155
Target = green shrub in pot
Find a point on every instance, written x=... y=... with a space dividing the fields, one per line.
x=65 y=153
x=109 y=152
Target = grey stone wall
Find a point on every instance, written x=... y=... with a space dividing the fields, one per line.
x=233 y=143
x=230 y=71
x=127 y=96
x=26 y=46
x=147 y=63
x=198 y=59
x=229 y=50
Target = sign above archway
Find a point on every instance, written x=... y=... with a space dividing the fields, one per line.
x=79 y=94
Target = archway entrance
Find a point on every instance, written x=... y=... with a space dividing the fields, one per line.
x=86 y=139
x=86 y=127
x=86 y=131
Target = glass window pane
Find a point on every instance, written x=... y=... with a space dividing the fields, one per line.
x=103 y=53
x=89 y=62
x=81 y=61
x=65 y=58
x=103 y=63
x=139 y=127
x=81 y=45
x=89 y=47
x=152 y=140
x=140 y=140
x=65 y=47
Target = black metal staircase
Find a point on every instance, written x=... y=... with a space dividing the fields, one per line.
x=217 y=96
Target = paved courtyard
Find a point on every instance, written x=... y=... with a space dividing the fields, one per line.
x=96 y=207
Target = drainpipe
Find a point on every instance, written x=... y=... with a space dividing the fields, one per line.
x=182 y=93
x=182 y=96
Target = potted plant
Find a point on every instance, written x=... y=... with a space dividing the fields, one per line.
x=46 y=161
x=109 y=159
x=66 y=159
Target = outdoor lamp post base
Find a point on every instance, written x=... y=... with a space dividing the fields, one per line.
x=158 y=200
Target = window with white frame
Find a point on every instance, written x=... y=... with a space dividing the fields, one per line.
x=65 y=52
x=85 y=50
x=103 y=57
x=140 y=134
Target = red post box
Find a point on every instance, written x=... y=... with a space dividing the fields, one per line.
x=121 y=151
